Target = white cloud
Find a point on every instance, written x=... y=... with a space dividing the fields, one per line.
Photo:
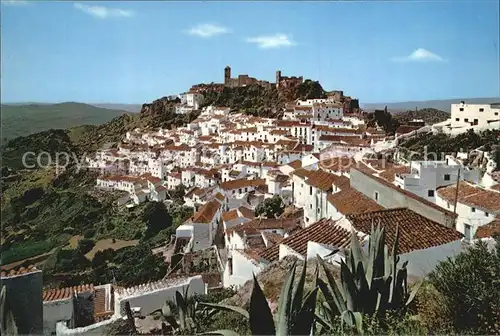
x=420 y=55
x=272 y=41
x=14 y=2
x=102 y=12
x=207 y=30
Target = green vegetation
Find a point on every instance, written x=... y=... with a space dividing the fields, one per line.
x=390 y=122
x=443 y=143
x=262 y=101
x=470 y=288
x=428 y=115
x=271 y=207
x=22 y=120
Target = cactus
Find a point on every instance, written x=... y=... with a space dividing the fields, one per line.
x=295 y=311
x=8 y=324
x=371 y=283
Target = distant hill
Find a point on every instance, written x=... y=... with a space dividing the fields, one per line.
x=21 y=120
x=134 y=108
x=443 y=105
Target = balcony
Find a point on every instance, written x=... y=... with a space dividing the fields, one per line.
x=407 y=180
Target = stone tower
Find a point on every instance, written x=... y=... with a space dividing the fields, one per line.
x=278 y=78
x=227 y=75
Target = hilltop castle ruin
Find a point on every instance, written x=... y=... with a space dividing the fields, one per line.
x=243 y=80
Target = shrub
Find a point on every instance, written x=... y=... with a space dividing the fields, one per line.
x=470 y=288
x=85 y=245
x=89 y=233
x=24 y=250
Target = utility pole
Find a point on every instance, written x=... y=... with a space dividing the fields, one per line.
x=456 y=192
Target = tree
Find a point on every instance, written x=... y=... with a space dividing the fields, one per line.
x=85 y=245
x=178 y=193
x=470 y=286
x=156 y=217
x=271 y=207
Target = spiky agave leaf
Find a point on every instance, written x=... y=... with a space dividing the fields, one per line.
x=304 y=320
x=337 y=291
x=285 y=303
x=224 y=307
x=261 y=319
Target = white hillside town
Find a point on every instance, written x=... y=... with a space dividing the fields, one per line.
x=330 y=173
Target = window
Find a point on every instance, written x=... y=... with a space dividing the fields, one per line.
x=446 y=177
x=376 y=195
x=476 y=121
x=457 y=119
x=310 y=190
x=486 y=214
x=311 y=206
x=496 y=113
x=430 y=193
x=473 y=209
x=448 y=205
x=230 y=262
x=466 y=120
x=461 y=109
x=481 y=110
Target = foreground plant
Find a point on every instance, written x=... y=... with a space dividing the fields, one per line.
x=371 y=283
x=295 y=310
x=8 y=324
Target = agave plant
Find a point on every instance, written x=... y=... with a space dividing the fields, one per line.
x=370 y=283
x=295 y=310
x=8 y=324
x=188 y=314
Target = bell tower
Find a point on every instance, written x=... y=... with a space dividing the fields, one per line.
x=227 y=75
x=278 y=78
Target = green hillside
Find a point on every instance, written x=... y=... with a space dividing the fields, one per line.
x=22 y=120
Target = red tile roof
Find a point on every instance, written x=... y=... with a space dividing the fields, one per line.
x=295 y=164
x=65 y=293
x=416 y=231
x=242 y=183
x=246 y=212
x=337 y=164
x=488 y=230
x=19 y=271
x=259 y=224
x=323 y=180
x=324 y=231
x=206 y=212
x=472 y=196
x=350 y=201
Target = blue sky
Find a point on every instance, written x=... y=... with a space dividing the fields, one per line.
x=134 y=52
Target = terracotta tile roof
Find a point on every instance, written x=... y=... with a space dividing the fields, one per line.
x=350 y=201
x=242 y=183
x=246 y=212
x=324 y=231
x=230 y=215
x=496 y=187
x=19 y=271
x=65 y=293
x=416 y=231
x=302 y=173
x=390 y=173
x=472 y=196
x=220 y=197
x=295 y=164
x=206 y=212
x=488 y=230
x=256 y=242
x=323 y=180
x=337 y=163
x=258 y=224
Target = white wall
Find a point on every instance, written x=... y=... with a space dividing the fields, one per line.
x=460 y=112
x=55 y=311
x=93 y=329
x=243 y=270
x=154 y=299
x=422 y=262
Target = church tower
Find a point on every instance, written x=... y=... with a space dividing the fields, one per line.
x=278 y=78
x=227 y=75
